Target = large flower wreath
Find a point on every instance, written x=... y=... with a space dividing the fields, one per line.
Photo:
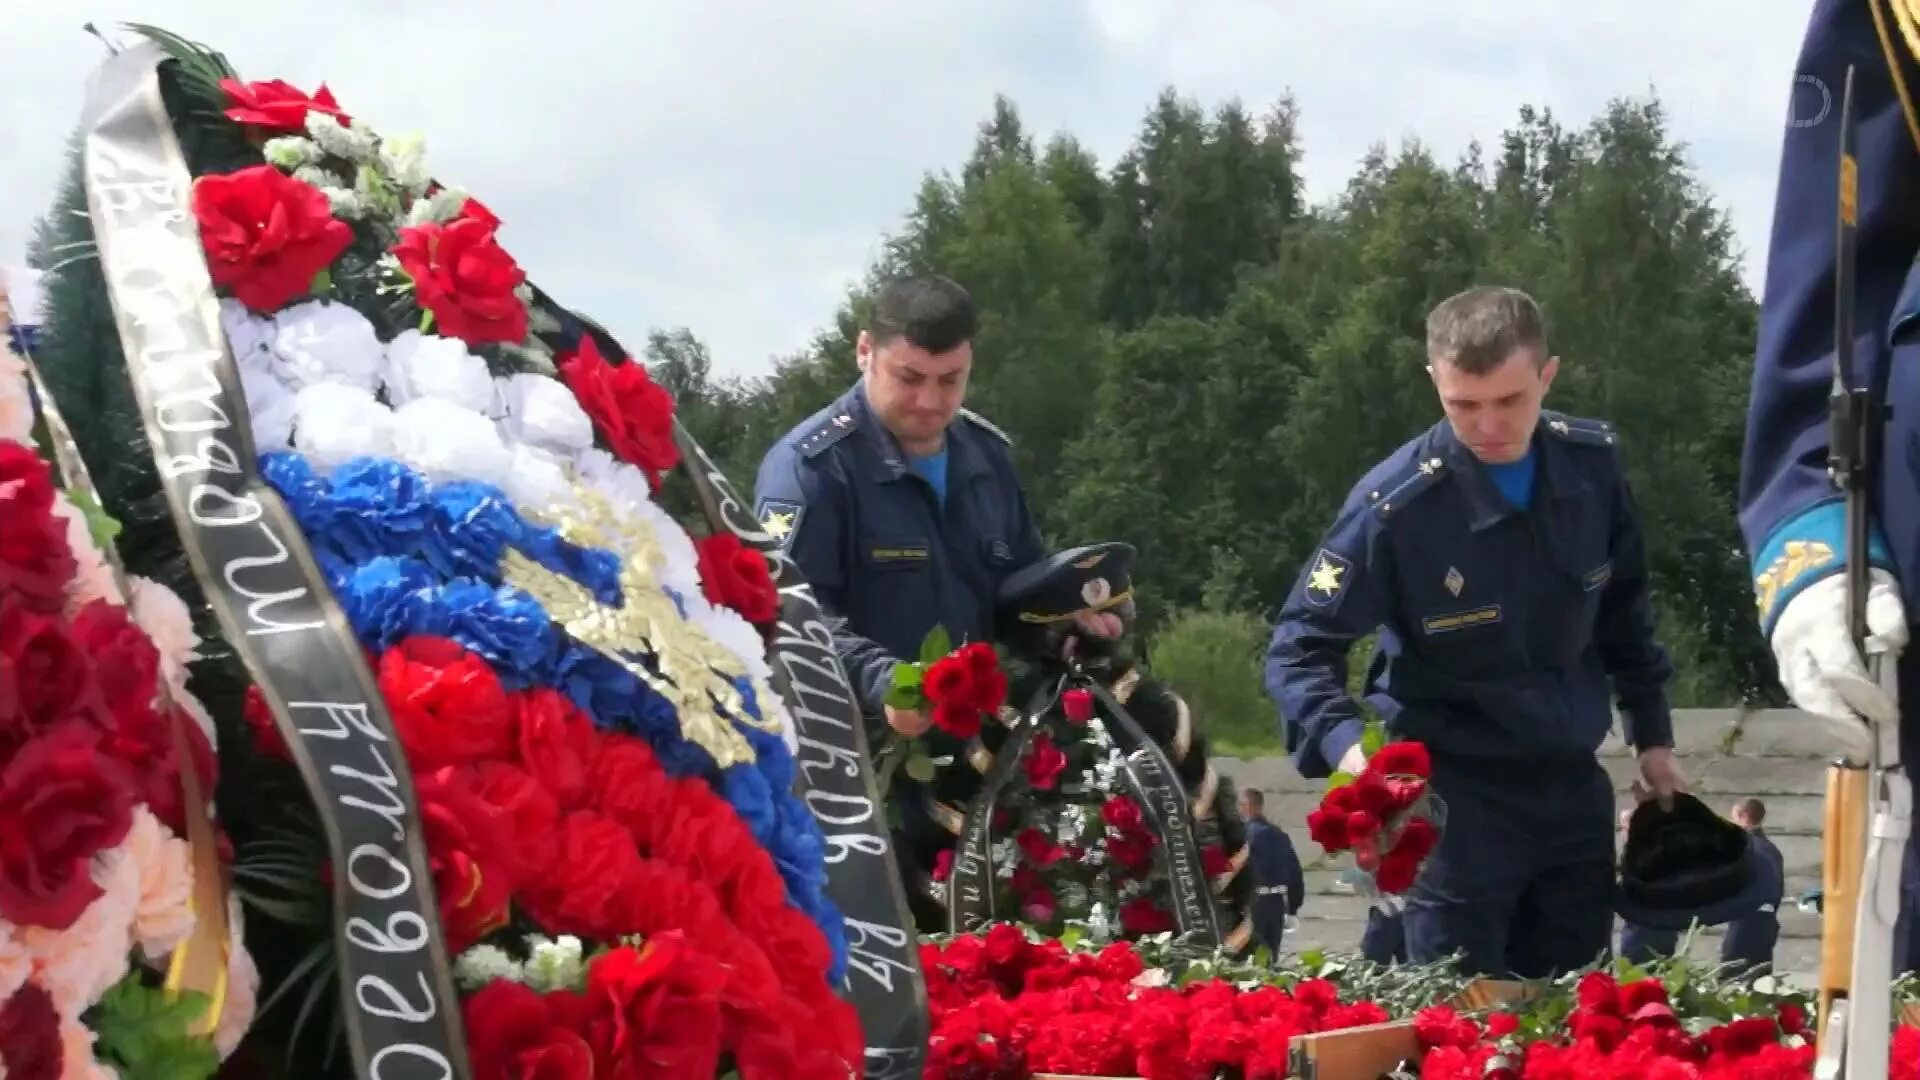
x=98 y=879
x=626 y=882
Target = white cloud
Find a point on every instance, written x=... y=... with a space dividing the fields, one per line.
x=732 y=166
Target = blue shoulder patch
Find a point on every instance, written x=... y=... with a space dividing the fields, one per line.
x=986 y=425
x=1396 y=493
x=1575 y=429
x=829 y=433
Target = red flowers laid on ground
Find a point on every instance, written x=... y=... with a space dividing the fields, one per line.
x=1383 y=816
x=465 y=279
x=736 y=576
x=631 y=412
x=1621 y=1030
x=266 y=235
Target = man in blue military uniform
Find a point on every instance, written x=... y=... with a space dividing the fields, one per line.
x=1750 y=939
x=1279 y=884
x=1791 y=514
x=902 y=508
x=1499 y=557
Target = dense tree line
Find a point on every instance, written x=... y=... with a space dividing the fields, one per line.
x=1191 y=358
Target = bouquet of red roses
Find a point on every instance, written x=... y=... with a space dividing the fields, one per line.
x=956 y=688
x=1386 y=816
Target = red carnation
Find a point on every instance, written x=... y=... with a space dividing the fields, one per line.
x=1417 y=839
x=278 y=107
x=466 y=280
x=1142 y=916
x=1078 y=704
x=470 y=849
x=631 y=412
x=1362 y=825
x=1396 y=873
x=448 y=705
x=1402 y=759
x=266 y=234
x=1328 y=828
x=736 y=576
x=658 y=1008
x=1045 y=763
x=516 y=1032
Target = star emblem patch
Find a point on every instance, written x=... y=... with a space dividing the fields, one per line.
x=1328 y=578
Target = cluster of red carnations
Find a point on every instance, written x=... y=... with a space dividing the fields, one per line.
x=1376 y=815
x=1630 y=1032
x=963 y=688
x=1004 y=1008
x=82 y=741
x=725 y=964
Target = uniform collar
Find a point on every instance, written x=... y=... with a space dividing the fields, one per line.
x=1555 y=478
x=886 y=462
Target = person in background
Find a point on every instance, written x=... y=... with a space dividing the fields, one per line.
x=1750 y=939
x=1384 y=941
x=1644 y=944
x=1280 y=885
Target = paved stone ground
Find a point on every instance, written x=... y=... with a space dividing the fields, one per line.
x=1778 y=755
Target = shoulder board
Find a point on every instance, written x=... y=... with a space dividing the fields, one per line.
x=986 y=425
x=822 y=438
x=1398 y=491
x=1576 y=429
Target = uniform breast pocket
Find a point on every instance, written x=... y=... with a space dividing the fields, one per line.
x=897 y=555
x=1466 y=637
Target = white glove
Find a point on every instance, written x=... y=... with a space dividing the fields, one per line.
x=1819 y=665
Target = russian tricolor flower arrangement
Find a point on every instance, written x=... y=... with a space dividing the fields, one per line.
x=627 y=884
x=109 y=963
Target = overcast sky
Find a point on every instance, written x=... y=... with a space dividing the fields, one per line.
x=731 y=166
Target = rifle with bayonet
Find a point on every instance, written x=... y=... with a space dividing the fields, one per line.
x=1868 y=801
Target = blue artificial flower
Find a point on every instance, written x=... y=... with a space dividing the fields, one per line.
x=379 y=597
x=505 y=625
x=469 y=530
x=376 y=506
x=303 y=491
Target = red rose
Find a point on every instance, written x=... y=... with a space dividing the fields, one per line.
x=278 y=107
x=143 y=742
x=61 y=803
x=266 y=234
x=661 y=1004
x=1132 y=852
x=594 y=862
x=44 y=675
x=513 y=1033
x=1078 y=704
x=631 y=412
x=959 y=721
x=736 y=576
x=465 y=279
x=1402 y=759
x=125 y=663
x=556 y=743
x=1141 y=916
x=1039 y=848
x=949 y=679
x=448 y=706
x=1045 y=763
x=35 y=563
x=989 y=683
x=30 y=1043
x=943 y=864
x=1121 y=812
x=470 y=849
x=1793 y=1018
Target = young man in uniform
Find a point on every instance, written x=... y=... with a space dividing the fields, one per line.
x=902 y=508
x=1792 y=516
x=1500 y=558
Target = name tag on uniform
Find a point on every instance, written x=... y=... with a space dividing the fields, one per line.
x=1461 y=620
x=1597 y=577
x=897 y=553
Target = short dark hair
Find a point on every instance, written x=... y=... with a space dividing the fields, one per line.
x=1752 y=809
x=1254 y=798
x=932 y=312
x=1478 y=329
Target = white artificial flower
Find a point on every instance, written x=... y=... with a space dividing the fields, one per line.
x=347 y=204
x=357 y=144
x=243 y=985
x=318 y=341
x=482 y=964
x=542 y=412
x=250 y=336
x=442 y=207
x=289 y=152
x=403 y=157
x=537 y=479
x=427 y=365
x=315 y=176
x=269 y=407
x=556 y=965
x=334 y=423
x=446 y=442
